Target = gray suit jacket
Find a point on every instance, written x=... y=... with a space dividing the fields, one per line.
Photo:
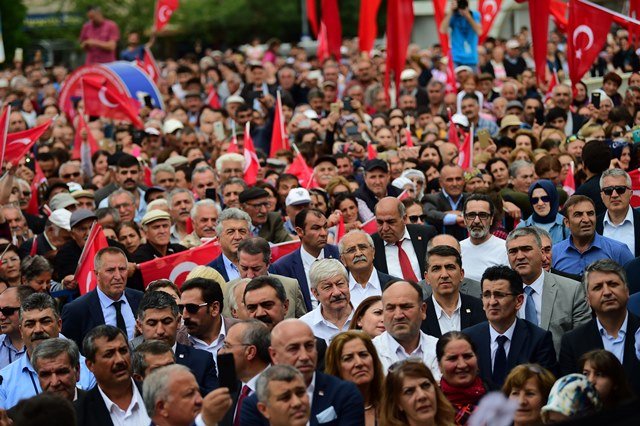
x=297 y=308
x=467 y=286
x=564 y=306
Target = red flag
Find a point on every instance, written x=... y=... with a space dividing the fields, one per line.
x=407 y=136
x=251 y=162
x=635 y=187
x=85 y=275
x=370 y=226
x=439 y=11
x=341 y=230
x=488 y=10
x=404 y=195
x=569 y=184
x=213 y=100
x=300 y=169
x=634 y=12
x=279 y=138
x=558 y=10
x=588 y=29
x=399 y=26
x=452 y=135
x=322 y=52
x=331 y=18
x=4 y=132
x=164 y=10
x=38 y=179
x=146 y=170
x=282 y=249
x=19 y=143
x=372 y=153
x=102 y=101
x=465 y=154
x=177 y=266
x=553 y=83
x=367 y=24
x=77 y=142
x=149 y=65
x=539 y=19
x=312 y=16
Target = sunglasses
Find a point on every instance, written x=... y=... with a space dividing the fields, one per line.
x=7 y=311
x=70 y=175
x=192 y=308
x=608 y=191
x=544 y=199
x=416 y=218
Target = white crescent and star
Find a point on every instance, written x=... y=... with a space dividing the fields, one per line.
x=586 y=30
x=489 y=5
x=164 y=13
x=23 y=141
x=180 y=269
x=102 y=95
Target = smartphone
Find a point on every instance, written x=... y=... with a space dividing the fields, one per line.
x=595 y=100
x=258 y=94
x=484 y=139
x=539 y=116
x=218 y=130
x=210 y=193
x=227 y=372
x=351 y=130
x=335 y=107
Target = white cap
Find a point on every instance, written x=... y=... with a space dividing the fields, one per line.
x=401 y=182
x=234 y=99
x=463 y=68
x=460 y=119
x=311 y=114
x=513 y=44
x=152 y=131
x=408 y=74
x=73 y=186
x=61 y=218
x=298 y=196
x=171 y=125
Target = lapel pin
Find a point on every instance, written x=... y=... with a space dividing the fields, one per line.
x=321 y=393
x=181 y=356
x=468 y=310
x=419 y=238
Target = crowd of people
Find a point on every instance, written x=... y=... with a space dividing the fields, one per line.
x=419 y=289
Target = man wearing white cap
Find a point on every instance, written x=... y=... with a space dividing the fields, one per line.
x=156 y=225
x=514 y=63
x=297 y=200
x=409 y=85
x=55 y=235
x=151 y=143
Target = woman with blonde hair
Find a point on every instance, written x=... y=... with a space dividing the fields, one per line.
x=529 y=385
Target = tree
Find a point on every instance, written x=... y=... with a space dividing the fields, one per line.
x=13 y=14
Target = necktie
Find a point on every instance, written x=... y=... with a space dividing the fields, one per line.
x=405 y=264
x=119 y=318
x=243 y=394
x=530 y=306
x=500 y=362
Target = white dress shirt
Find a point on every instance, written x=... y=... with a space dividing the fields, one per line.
x=214 y=346
x=109 y=312
x=134 y=415
x=624 y=232
x=307 y=261
x=537 y=286
x=494 y=340
x=615 y=345
x=447 y=323
x=321 y=327
x=393 y=259
x=359 y=293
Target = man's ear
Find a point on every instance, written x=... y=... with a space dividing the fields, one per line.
x=262 y=408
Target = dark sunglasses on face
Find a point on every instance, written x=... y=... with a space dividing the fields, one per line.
x=416 y=218
x=608 y=191
x=544 y=198
x=70 y=175
x=7 y=311
x=192 y=308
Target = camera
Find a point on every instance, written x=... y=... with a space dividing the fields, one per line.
x=463 y=4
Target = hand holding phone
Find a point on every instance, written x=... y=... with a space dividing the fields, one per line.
x=595 y=100
x=227 y=372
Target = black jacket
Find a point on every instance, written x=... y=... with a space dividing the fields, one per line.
x=471 y=313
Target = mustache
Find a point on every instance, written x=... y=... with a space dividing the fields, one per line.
x=337 y=299
x=361 y=258
x=119 y=367
x=129 y=181
x=265 y=319
x=39 y=336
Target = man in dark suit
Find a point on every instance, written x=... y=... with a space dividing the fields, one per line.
x=252 y=93
x=280 y=380
x=505 y=341
x=335 y=402
x=311 y=226
x=400 y=249
x=265 y=224
x=613 y=327
x=233 y=226
x=444 y=208
x=158 y=319
x=447 y=308
x=113 y=377
x=110 y=303
x=156 y=225
x=356 y=253
x=376 y=184
x=596 y=157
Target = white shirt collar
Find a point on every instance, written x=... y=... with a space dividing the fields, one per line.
x=221 y=336
x=106 y=301
x=395 y=346
x=440 y=311
x=374 y=281
x=307 y=258
x=136 y=401
x=538 y=284
x=509 y=333
x=405 y=236
x=627 y=218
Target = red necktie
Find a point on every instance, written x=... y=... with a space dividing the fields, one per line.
x=243 y=394
x=405 y=264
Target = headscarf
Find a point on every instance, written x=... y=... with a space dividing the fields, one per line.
x=616 y=146
x=552 y=192
x=572 y=395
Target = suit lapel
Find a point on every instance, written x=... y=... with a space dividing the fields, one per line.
x=96 y=308
x=433 y=326
x=418 y=246
x=484 y=347
x=465 y=313
x=319 y=403
x=519 y=338
x=298 y=270
x=549 y=292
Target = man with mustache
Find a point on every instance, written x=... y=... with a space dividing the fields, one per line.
x=325 y=168
x=376 y=184
x=156 y=225
x=116 y=399
x=39 y=321
x=180 y=202
x=127 y=177
x=334 y=401
x=57 y=362
x=614 y=328
x=356 y=253
x=265 y=224
x=482 y=249
x=266 y=300
x=204 y=217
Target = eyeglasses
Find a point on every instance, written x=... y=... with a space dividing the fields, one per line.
x=417 y=218
x=620 y=190
x=544 y=199
x=192 y=308
x=498 y=295
x=473 y=215
x=70 y=175
x=7 y=311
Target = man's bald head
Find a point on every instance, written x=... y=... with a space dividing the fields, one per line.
x=293 y=343
x=444 y=240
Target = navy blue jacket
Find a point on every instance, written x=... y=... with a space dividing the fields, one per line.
x=218 y=265
x=201 y=364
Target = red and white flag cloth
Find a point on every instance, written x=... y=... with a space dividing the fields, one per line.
x=341 y=228
x=452 y=133
x=312 y=16
x=331 y=18
x=19 y=144
x=553 y=83
x=85 y=274
x=399 y=26
x=251 y=162
x=408 y=137
x=279 y=139
x=300 y=169
x=488 y=11
x=177 y=266
x=569 y=184
x=635 y=187
x=282 y=249
x=163 y=11
x=78 y=140
x=465 y=154
x=370 y=226
x=149 y=66
x=38 y=179
x=372 y=153
x=213 y=99
x=558 y=11
x=539 y=20
x=4 y=131
x=103 y=101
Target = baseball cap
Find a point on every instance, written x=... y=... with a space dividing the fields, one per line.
x=512 y=44
x=62 y=201
x=463 y=68
x=176 y=161
x=83 y=193
x=370 y=165
x=408 y=74
x=154 y=215
x=515 y=104
x=61 y=218
x=171 y=125
x=152 y=190
x=297 y=196
x=81 y=215
x=152 y=131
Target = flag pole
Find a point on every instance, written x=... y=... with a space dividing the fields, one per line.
x=6 y=134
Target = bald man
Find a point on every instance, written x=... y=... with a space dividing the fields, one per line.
x=334 y=401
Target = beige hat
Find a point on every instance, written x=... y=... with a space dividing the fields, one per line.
x=510 y=121
x=154 y=215
x=83 y=193
x=176 y=161
x=408 y=74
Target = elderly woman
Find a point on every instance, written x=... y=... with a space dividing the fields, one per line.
x=36 y=273
x=329 y=283
x=544 y=199
x=419 y=180
x=529 y=385
x=352 y=357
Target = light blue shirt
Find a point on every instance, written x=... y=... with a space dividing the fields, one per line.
x=109 y=312
x=232 y=270
x=8 y=352
x=615 y=345
x=451 y=218
x=567 y=258
x=464 y=40
x=20 y=381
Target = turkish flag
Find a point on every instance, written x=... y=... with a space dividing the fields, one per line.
x=300 y=169
x=558 y=10
x=404 y=195
x=149 y=65
x=19 y=144
x=367 y=24
x=465 y=155
x=38 y=179
x=372 y=153
x=341 y=229
x=4 y=131
x=331 y=18
x=251 y=162
x=399 y=25
x=79 y=140
x=409 y=139
x=588 y=29
x=322 y=51
x=213 y=100
x=279 y=138
x=103 y=101
x=312 y=16
x=164 y=10
x=85 y=274
x=370 y=226
x=439 y=11
x=282 y=249
x=569 y=184
x=452 y=134
x=553 y=83
x=177 y=266
x=488 y=10
x=634 y=12
x=539 y=19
